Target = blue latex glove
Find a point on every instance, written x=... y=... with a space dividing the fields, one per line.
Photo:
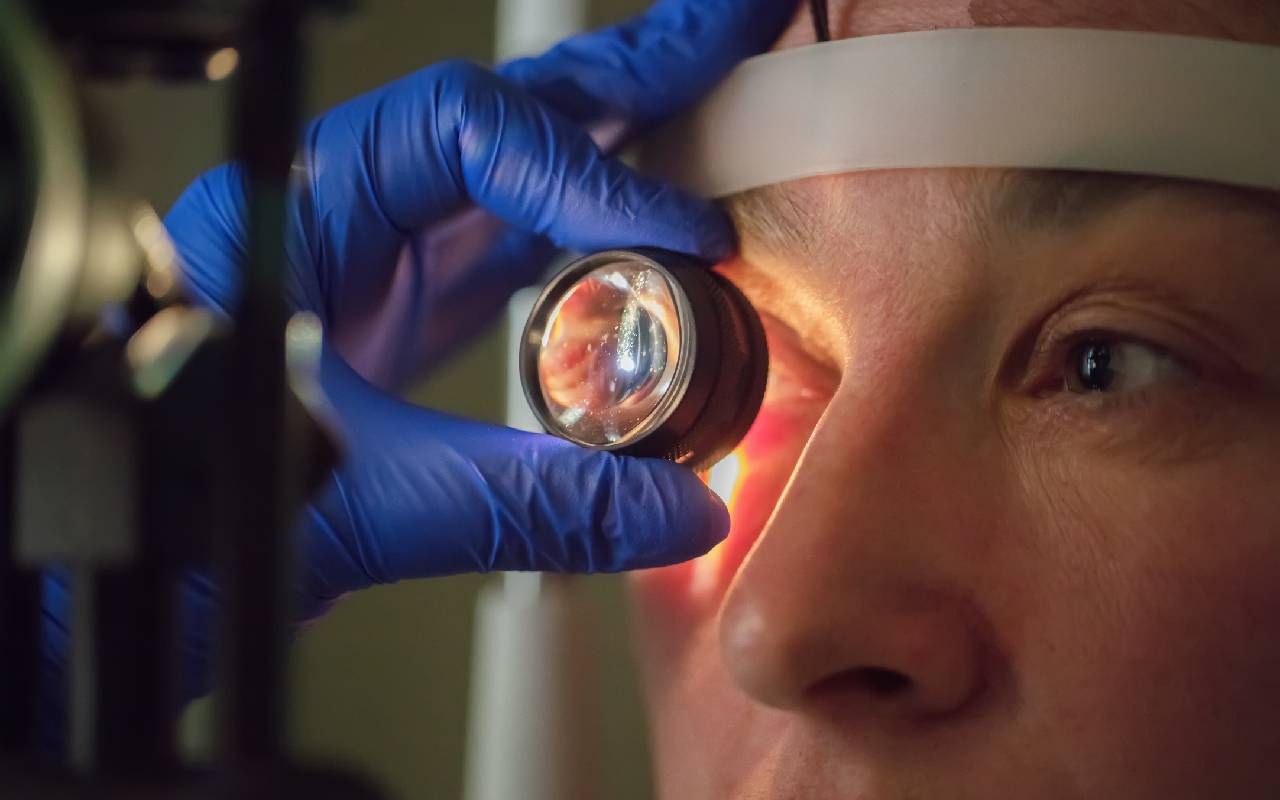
x=382 y=246
x=419 y=208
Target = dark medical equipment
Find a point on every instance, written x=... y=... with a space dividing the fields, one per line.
x=142 y=437
x=645 y=352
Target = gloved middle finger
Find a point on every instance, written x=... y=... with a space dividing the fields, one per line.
x=654 y=65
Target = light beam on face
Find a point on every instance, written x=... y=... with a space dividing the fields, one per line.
x=725 y=479
x=753 y=477
x=749 y=481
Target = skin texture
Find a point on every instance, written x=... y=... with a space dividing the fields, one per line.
x=952 y=571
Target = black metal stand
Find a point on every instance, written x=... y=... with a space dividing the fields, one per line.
x=254 y=552
x=128 y=486
x=19 y=622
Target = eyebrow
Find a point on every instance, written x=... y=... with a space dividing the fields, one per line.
x=1029 y=200
x=1017 y=200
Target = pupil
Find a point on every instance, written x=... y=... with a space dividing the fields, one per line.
x=1096 y=374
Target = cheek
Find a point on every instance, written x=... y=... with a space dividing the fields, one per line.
x=1143 y=631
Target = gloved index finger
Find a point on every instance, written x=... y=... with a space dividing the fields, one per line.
x=425 y=146
x=652 y=66
x=385 y=164
x=545 y=174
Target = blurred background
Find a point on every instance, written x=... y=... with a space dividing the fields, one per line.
x=381 y=683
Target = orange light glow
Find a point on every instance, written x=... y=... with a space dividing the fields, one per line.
x=725 y=478
x=750 y=481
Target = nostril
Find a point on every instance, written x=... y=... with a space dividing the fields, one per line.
x=878 y=681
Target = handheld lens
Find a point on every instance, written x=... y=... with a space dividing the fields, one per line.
x=646 y=353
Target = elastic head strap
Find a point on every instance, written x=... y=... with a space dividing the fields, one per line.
x=1107 y=101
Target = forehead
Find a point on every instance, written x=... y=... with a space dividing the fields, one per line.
x=816 y=249
x=1244 y=20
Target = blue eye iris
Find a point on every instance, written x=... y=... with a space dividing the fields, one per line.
x=1092 y=367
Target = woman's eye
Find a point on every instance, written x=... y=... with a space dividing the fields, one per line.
x=1117 y=365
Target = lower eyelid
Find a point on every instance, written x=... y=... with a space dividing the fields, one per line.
x=1146 y=413
x=1175 y=426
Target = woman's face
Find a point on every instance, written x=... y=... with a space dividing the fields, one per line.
x=1008 y=524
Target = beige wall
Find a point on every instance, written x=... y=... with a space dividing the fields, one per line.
x=381 y=682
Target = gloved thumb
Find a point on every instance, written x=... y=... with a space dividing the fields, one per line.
x=422 y=494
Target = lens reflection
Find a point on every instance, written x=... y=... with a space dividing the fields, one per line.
x=608 y=352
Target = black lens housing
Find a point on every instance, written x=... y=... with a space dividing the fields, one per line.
x=718 y=392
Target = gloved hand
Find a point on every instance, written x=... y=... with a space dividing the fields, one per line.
x=383 y=248
x=418 y=208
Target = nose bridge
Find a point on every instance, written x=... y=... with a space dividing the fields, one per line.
x=881 y=488
x=859 y=573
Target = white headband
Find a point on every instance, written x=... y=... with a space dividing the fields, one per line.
x=1108 y=101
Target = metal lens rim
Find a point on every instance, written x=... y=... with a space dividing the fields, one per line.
x=535 y=329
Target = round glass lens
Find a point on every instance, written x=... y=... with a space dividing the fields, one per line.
x=609 y=352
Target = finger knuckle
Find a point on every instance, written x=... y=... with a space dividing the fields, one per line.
x=463 y=72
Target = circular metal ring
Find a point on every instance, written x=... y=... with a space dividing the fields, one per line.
x=644 y=352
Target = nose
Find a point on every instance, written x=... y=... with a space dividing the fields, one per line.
x=859 y=599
